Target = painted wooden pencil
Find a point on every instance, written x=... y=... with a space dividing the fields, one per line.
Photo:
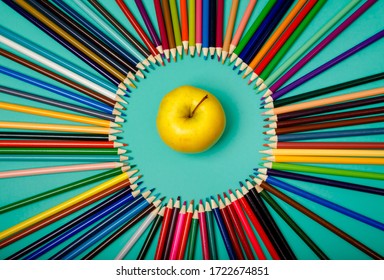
x=185 y=234
x=184 y=23
x=176 y=26
x=192 y=26
x=162 y=28
x=203 y=232
x=219 y=28
x=229 y=30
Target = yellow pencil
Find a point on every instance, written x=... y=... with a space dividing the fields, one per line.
x=58 y=127
x=336 y=160
x=325 y=152
x=323 y=102
x=64 y=205
x=57 y=115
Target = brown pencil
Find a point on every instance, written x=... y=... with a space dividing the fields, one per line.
x=169 y=27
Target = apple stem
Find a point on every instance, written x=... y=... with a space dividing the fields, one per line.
x=201 y=101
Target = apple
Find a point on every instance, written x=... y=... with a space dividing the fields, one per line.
x=190 y=120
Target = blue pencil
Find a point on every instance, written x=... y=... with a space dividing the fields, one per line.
x=262 y=33
x=205 y=43
x=330 y=134
x=322 y=201
x=63 y=92
x=223 y=230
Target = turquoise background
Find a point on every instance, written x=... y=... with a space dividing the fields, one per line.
x=231 y=159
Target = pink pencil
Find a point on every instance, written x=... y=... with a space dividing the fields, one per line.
x=199 y=27
x=59 y=169
x=243 y=23
x=177 y=237
x=219 y=27
x=203 y=231
x=163 y=30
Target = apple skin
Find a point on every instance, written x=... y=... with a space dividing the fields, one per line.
x=183 y=132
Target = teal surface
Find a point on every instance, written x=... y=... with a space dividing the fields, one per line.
x=230 y=160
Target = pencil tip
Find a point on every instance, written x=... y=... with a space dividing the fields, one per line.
x=225 y=195
x=178 y=198
x=201 y=202
x=230 y=192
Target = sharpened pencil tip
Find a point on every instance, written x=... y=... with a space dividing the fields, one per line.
x=265 y=145
x=225 y=195
x=178 y=198
x=184 y=203
x=205 y=57
x=266 y=126
x=162 y=198
x=234 y=67
x=230 y=192
x=139 y=183
x=201 y=202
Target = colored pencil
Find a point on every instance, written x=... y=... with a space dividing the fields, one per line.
x=286 y=47
x=192 y=236
x=45 y=214
x=192 y=26
x=203 y=232
x=319 y=220
x=325 y=101
x=164 y=230
x=172 y=228
x=324 y=202
x=60 y=104
x=324 y=145
x=137 y=46
x=151 y=235
x=226 y=214
x=325 y=170
x=334 y=61
x=176 y=26
x=268 y=223
x=117 y=191
x=105 y=108
x=124 y=37
x=239 y=231
x=87 y=39
x=178 y=234
x=58 y=127
x=148 y=23
x=185 y=232
x=347 y=22
x=264 y=82
x=205 y=27
x=58 y=136
x=223 y=230
x=244 y=21
x=323 y=152
x=64 y=188
x=61 y=151
x=325 y=90
x=56 y=115
x=292 y=224
x=169 y=27
x=139 y=232
x=229 y=30
x=219 y=28
x=326 y=109
x=256 y=224
x=211 y=232
x=330 y=160
x=327 y=117
x=236 y=48
x=330 y=134
x=184 y=24
x=247 y=227
x=127 y=12
x=59 y=144
x=279 y=37
x=212 y=27
x=64 y=158
x=78 y=224
x=162 y=28
x=199 y=26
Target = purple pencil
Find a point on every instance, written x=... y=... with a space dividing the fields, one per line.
x=149 y=25
x=325 y=66
x=319 y=47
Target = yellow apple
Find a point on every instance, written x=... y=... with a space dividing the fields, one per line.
x=190 y=120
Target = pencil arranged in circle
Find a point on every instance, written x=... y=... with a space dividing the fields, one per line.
x=151 y=235
x=178 y=234
x=61 y=151
x=205 y=27
x=59 y=144
x=162 y=28
x=219 y=28
x=64 y=158
x=169 y=27
x=323 y=152
x=164 y=231
x=185 y=232
x=212 y=28
x=203 y=232
x=172 y=228
x=192 y=26
x=176 y=26
x=58 y=136
x=199 y=26
x=229 y=30
x=324 y=159
x=184 y=23
x=211 y=232
x=324 y=145
x=193 y=236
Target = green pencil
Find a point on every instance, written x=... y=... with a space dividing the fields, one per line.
x=192 y=26
x=211 y=232
x=248 y=35
x=288 y=63
x=176 y=26
x=61 y=151
x=324 y=170
x=192 y=236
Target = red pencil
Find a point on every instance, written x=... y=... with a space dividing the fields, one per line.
x=251 y=235
x=140 y=30
x=184 y=25
x=203 y=231
x=228 y=224
x=219 y=27
x=162 y=28
x=164 y=230
x=256 y=224
x=184 y=239
x=58 y=144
